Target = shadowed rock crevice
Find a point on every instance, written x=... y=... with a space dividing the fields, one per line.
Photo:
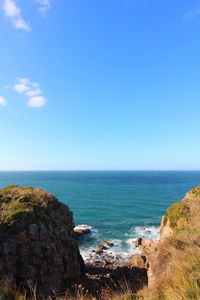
x=115 y=278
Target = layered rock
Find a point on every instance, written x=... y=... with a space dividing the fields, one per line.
x=36 y=240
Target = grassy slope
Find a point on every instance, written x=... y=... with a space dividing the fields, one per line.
x=176 y=265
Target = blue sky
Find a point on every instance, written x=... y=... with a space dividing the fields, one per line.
x=99 y=84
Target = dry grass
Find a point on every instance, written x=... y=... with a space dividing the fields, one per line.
x=178 y=277
x=179 y=281
x=80 y=293
x=176 y=265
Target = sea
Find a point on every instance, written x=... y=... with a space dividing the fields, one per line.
x=118 y=206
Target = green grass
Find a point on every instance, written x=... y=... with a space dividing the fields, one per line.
x=16 y=201
x=176 y=212
x=196 y=191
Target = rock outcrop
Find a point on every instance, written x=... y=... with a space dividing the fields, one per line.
x=138 y=260
x=179 y=249
x=36 y=240
x=81 y=230
x=147 y=248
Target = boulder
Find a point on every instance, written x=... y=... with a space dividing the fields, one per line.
x=81 y=230
x=36 y=240
x=105 y=244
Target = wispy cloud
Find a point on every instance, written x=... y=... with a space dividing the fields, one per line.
x=37 y=101
x=2 y=101
x=13 y=13
x=22 y=85
x=192 y=14
x=31 y=90
x=44 y=6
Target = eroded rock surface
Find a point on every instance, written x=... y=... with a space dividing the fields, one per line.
x=36 y=240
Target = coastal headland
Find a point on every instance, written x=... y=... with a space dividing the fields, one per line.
x=39 y=252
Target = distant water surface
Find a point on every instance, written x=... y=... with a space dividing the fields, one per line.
x=119 y=205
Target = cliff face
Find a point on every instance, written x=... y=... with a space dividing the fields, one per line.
x=182 y=215
x=36 y=243
x=177 y=258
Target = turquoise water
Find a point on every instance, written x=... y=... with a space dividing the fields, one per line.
x=119 y=205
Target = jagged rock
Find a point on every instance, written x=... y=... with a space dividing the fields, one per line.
x=165 y=229
x=36 y=240
x=149 y=246
x=104 y=245
x=99 y=250
x=137 y=242
x=138 y=260
x=81 y=230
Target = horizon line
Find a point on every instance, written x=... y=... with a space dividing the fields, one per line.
x=104 y=170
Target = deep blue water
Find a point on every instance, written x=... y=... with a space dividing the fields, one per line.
x=117 y=204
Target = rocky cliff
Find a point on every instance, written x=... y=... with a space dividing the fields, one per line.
x=36 y=240
x=174 y=268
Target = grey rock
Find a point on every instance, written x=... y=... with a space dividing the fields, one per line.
x=34 y=231
x=36 y=242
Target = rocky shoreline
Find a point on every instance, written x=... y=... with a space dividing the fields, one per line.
x=105 y=269
x=103 y=256
x=39 y=247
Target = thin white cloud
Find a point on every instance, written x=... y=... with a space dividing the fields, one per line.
x=37 y=101
x=2 y=101
x=44 y=6
x=31 y=90
x=192 y=14
x=21 y=24
x=22 y=85
x=13 y=13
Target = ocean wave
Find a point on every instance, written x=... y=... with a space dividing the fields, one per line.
x=121 y=250
x=147 y=232
x=119 y=253
x=90 y=238
x=87 y=253
x=83 y=227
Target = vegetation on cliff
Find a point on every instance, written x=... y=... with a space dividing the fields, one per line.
x=174 y=272
x=25 y=213
x=17 y=202
x=36 y=241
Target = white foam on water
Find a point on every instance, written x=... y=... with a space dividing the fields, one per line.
x=147 y=232
x=133 y=249
x=94 y=233
x=119 y=253
x=83 y=227
x=121 y=250
x=91 y=239
x=87 y=253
